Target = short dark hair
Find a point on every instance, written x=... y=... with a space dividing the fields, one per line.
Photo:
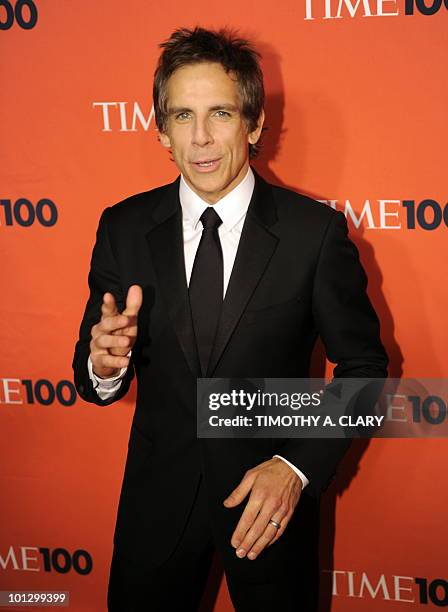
x=237 y=55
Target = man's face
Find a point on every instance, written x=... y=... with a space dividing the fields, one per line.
x=205 y=130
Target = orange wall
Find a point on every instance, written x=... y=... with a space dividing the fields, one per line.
x=356 y=110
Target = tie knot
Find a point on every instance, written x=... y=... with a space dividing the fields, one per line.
x=210 y=219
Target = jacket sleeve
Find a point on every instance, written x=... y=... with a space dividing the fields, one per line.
x=350 y=331
x=103 y=276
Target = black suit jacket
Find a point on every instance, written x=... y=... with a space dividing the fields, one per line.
x=296 y=275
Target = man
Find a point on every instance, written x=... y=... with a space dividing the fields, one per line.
x=162 y=264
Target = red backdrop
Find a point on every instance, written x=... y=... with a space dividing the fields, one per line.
x=356 y=109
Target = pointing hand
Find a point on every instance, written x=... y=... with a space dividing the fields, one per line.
x=115 y=334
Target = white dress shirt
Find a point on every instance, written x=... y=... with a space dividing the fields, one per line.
x=232 y=209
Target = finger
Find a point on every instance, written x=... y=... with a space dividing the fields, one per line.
x=283 y=525
x=107 y=341
x=259 y=527
x=109 y=305
x=262 y=542
x=241 y=491
x=246 y=521
x=134 y=300
x=110 y=324
x=129 y=330
x=108 y=361
x=269 y=533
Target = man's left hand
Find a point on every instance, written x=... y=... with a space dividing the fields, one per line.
x=275 y=490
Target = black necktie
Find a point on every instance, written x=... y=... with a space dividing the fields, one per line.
x=206 y=286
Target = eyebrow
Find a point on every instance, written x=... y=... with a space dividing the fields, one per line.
x=174 y=110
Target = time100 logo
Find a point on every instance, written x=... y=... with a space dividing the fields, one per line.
x=23 y=212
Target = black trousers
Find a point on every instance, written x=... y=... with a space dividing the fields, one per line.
x=284 y=578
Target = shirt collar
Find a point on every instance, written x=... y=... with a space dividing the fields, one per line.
x=231 y=208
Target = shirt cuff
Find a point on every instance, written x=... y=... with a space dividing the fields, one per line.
x=300 y=474
x=106 y=387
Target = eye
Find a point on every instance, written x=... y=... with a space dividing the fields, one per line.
x=183 y=116
x=223 y=113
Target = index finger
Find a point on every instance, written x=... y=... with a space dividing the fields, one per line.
x=246 y=521
x=109 y=306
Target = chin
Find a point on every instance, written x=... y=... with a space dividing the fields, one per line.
x=208 y=184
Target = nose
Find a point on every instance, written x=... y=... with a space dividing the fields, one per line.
x=201 y=132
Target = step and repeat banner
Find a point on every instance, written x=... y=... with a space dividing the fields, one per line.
x=356 y=109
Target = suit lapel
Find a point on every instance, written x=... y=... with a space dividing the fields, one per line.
x=256 y=247
x=165 y=241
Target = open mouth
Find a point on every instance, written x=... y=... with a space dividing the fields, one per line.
x=205 y=165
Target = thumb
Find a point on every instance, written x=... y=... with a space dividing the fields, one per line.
x=238 y=494
x=134 y=300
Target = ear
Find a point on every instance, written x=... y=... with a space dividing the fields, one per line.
x=165 y=140
x=254 y=136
